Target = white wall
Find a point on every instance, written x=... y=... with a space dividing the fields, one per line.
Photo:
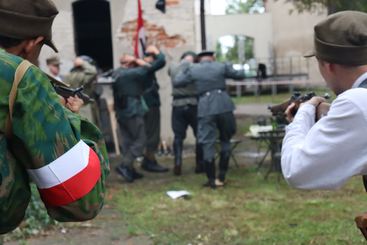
x=257 y=26
x=293 y=33
x=63 y=37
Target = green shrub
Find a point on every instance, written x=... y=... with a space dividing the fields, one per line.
x=36 y=219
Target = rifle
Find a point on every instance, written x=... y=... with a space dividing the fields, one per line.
x=298 y=98
x=361 y=220
x=65 y=91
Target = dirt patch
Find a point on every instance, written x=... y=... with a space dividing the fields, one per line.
x=108 y=228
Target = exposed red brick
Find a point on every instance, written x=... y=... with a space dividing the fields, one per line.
x=156 y=35
x=172 y=2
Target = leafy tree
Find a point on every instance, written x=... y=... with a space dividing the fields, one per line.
x=331 y=5
x=244 y=6
x=232 y=53
x=218 y=52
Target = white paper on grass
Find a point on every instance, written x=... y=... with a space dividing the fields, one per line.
x=177 y=194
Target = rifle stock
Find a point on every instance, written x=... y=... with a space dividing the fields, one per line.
x=361 y=222
x=297 y=98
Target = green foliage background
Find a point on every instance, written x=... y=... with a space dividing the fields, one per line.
x=331 y=5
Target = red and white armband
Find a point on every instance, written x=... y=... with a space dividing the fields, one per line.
x=69 y=177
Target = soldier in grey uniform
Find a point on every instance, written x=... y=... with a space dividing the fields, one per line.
x=184 y=114
x=215 y=110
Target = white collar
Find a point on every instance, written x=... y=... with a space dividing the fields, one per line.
x=359 y=80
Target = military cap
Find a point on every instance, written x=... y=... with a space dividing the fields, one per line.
x=205 y=53
x=188 y=53
x=23 y=19
x=53 y=60
x=342 y=39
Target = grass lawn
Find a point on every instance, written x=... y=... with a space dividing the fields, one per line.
x=249 y=210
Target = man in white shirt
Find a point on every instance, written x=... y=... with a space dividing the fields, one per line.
x=326 y=153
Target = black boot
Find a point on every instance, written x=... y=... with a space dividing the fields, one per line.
x=210 y=173
x=152 y=166
x=136 y=175
x=125 y=172
x=177 y=148
x=200 y=168
x=125 y=169
x=223 y=165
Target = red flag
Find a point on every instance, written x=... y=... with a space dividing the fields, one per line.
x=139 y=45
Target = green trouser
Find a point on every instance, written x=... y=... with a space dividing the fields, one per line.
x=133 y=139
x=152 y=121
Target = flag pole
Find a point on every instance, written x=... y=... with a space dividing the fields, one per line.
x=139 y=45
x=202 y=23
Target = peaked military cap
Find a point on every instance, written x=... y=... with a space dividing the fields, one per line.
x=188 y=53
x=342 y=38
x=23 y=19
x=205 y=53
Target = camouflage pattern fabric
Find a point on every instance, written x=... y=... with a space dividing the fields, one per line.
x=83 y=76
x=43 y=130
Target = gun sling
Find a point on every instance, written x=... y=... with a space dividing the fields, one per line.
x=19 y=74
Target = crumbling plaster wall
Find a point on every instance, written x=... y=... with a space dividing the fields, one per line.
x=173 y=32
x=63 y=36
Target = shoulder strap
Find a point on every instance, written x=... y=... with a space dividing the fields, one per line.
x=19 y=74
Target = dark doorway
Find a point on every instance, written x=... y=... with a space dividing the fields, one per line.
x=92 y=31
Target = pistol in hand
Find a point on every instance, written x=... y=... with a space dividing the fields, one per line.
x=67 y=92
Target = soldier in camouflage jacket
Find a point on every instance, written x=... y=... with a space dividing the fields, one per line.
x=40 y=139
